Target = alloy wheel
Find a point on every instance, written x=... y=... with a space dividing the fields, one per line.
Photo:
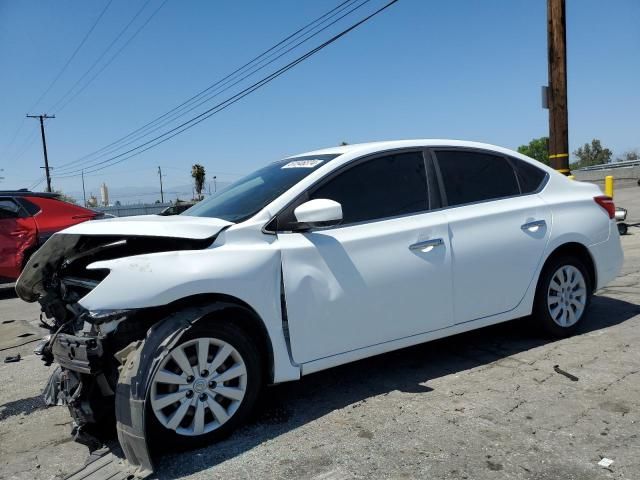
x=567 y=296
x=198 y=386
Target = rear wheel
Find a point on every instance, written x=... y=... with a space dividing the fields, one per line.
x=563 y=296
x=205 y=386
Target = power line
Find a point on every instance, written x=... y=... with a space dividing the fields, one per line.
x=284 y=41
x=29 y=141
x=62 y=70
x=135 y=34
x=13 y=137
x=35 y=184
x=231 y=100
x=73 y=55
x=102 y=55
x=210 y=97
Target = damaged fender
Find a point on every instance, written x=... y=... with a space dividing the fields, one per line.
x=140 y=360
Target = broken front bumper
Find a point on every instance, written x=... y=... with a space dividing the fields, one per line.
x=79 y=354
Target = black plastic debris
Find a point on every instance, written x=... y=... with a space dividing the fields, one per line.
x=557 y=369
x=103 y=465
x=12 y=358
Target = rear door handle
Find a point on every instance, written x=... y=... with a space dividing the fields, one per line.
x=534 y=226
x=427 y=245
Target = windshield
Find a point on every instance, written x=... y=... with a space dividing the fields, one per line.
x=246 y=197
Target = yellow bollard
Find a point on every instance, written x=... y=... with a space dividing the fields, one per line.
x=608 y=186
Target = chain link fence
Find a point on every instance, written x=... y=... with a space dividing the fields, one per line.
x=132 y=210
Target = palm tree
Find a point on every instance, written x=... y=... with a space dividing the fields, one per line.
x=198 y=174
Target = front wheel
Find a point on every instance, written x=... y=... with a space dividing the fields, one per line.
x=562 y=297
x=205 y=386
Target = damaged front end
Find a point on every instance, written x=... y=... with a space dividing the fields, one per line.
x=90 y=346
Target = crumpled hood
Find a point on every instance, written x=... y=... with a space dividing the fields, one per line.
x=113 y=238
x=178 y=226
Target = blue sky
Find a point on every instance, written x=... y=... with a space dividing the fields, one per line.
x=454 y=69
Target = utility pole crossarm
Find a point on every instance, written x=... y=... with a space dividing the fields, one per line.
x=44 y=146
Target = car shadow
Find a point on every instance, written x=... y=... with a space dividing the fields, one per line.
x=291 y=405
x=24 y=406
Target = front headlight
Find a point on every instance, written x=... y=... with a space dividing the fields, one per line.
x=106 y=321
x=101 y=316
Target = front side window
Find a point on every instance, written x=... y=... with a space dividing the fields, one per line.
x=469 y=176
x=249 y=195
x=384 y=187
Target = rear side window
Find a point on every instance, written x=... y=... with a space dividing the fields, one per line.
x=30 y=207
x=529 y=177
x=470 y=177
x=384 y=187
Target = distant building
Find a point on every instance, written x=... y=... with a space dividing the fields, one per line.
x=104 y=193
x=92 y=202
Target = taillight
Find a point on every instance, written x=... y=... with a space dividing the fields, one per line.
x=606 y=202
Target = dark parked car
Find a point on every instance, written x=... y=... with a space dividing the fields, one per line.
x=27 y=220
x=176 y=209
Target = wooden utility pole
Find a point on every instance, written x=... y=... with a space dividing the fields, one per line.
x=161 y=191
x=44 y=146
x=84 y=192
x=557 y=91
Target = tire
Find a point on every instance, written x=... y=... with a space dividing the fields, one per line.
x=622 y=228
x=556 y=312
x=232 y=350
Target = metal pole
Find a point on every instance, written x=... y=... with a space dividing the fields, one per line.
x=215 y=187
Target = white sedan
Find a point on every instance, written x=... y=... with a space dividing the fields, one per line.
x=311 y=262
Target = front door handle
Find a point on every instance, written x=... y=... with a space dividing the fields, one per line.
x=427 y=245
x=533 y=226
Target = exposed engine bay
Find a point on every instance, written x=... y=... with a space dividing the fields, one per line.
x=89 y=346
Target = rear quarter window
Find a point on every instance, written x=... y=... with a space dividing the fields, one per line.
x=530 y=177
x=30 y=207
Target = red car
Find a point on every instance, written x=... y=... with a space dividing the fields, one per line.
x=27 y=220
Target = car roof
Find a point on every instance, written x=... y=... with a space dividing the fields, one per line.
x=394 y=144
x=27 y=193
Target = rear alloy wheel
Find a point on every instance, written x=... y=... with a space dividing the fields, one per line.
x=563 y=295
x=205 y=386
x=567 y=296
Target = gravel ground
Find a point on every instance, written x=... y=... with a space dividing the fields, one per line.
x=482 y=405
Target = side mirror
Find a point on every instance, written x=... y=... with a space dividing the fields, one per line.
x=318 y=213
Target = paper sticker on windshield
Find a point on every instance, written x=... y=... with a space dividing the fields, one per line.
x=302 y=164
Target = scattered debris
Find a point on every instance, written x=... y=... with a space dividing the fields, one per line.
x=51 y=391
x=39 y=350
x=605 y=462
x=12 y=358
x=557 y=369
x=103 y=464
